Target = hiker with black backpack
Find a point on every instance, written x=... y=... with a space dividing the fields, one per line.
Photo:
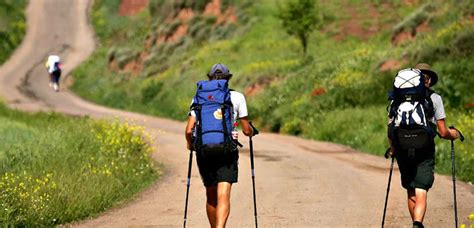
x=416 y=115
x=211 y=132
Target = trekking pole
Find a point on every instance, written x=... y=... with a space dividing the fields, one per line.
x=188 y=184
x=387 y=154
x=255 y=132
x=461 y=137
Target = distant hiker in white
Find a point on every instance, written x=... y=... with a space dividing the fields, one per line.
x=415 y=115
x=53 y=65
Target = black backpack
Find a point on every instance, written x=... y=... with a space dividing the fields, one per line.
x=410 y=110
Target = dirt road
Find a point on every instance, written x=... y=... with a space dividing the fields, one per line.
x=300 y=183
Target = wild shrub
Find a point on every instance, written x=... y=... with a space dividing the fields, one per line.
x=150 y=91
x=410 y=22
x=464 y=157
x=12 y=26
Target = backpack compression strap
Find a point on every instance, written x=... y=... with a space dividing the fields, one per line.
x=430 y=108
x=224 y=125
x=197 y=109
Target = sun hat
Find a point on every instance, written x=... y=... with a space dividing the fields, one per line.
x=426 y=70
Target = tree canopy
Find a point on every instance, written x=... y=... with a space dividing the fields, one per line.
x=299 y=18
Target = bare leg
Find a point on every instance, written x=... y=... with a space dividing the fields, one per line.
x=211 y=204
x=223 y=203
x=411 y=202
x=420 y=206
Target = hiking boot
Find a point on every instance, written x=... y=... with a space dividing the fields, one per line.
x=417 y=224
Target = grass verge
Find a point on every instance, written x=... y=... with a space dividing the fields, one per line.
x=56 y=169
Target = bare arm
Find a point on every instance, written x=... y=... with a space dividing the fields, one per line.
x=392 y=148
x=246 y=129
x=445 y=132
x=189 y=131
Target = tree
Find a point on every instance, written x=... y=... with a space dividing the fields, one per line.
x=299 y=18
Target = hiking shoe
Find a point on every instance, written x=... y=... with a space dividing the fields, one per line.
x=417 y=224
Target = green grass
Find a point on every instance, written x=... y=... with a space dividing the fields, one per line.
x=320 y=96
x=12 y=26
x=56 y=169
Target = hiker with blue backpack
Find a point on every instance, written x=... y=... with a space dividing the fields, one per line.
x=416 y=115
x=211 y=132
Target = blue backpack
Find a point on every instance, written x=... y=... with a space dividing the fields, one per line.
x=214 y=114
x=411 y=109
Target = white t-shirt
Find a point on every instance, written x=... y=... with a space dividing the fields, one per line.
x=52 y=60
x=438 y=108
x=238 y=102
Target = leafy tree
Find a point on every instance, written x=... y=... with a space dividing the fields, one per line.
x=299 y=18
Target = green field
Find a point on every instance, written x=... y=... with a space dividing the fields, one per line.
x=337 y=92
x=56 y=169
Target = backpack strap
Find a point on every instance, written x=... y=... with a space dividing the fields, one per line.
x=429 y=106
x=224 y=124
x=227 y=106
x=196 y=107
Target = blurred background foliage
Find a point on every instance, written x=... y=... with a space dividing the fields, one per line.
x=12 y=26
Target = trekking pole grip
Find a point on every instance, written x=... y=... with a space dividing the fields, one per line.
x=387 y=153
x=461 y=137
x=255 y=131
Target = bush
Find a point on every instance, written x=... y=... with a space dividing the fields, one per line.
x=463 y=150
x=150 y=91
x=414 y=19
x=12 y=26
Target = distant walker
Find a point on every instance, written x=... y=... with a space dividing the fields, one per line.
x=53 y=66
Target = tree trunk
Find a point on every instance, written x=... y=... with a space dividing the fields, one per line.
x=304 y=42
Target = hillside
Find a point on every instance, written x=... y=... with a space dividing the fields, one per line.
x=151 y=55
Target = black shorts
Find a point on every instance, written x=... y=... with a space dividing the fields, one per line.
x=417 y=168
x=56 y=76
x=218 y=168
